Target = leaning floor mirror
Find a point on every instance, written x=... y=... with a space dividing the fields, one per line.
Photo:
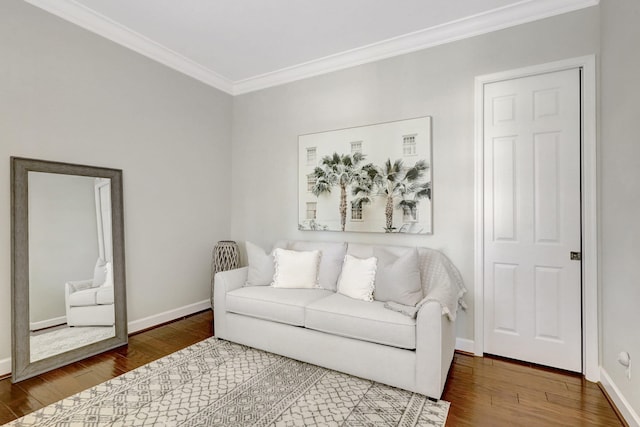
x=67 y=258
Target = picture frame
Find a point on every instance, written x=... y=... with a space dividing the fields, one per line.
x=375 y=178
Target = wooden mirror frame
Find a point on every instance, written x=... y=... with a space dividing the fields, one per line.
x=21 y=365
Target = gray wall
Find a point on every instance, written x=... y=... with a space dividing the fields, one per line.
x=620 y=193
x=63 y=239
x=438 y=82
x=69 y=95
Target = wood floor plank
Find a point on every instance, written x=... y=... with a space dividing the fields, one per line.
x=540 y=371
x=107 y=365
x=586 y=388
x=40 y=389
x=592 y=408
x=9 y=392
x=6 y=414
x=22 y=406
x=544 y=397
x=526 y=380
x=483 y=391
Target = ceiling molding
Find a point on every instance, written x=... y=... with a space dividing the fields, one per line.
x=497 y=19
x=109 y=29
x=518 y=13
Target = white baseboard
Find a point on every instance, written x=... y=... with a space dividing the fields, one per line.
x=36 y=326
x=5 y=366
x=465 y=345
x=167 y=316
x=630 y=416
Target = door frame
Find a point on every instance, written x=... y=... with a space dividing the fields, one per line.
x=589 y=206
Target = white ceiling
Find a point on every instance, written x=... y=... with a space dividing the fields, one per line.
x=244 y=45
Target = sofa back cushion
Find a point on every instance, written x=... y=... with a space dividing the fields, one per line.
x=261 y=264
x=100 y=272
x=330 y=261
x=362 y=250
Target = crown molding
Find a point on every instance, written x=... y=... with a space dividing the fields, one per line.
x=493 y=20
x=90 y=20
x=497 y=19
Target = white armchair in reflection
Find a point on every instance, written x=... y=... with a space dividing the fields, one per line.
x=90 y=302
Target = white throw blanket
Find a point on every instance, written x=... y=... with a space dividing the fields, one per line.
x=441 y=282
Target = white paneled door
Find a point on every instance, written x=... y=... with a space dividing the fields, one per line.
x=532 y=294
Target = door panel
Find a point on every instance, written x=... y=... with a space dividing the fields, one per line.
x=548 y=282
x=504 y=185
x=505 y=293
x=545 y=182
x=532 y=219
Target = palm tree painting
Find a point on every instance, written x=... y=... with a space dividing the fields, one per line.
x=337 y=170
x=374 y=178
x=394 y=182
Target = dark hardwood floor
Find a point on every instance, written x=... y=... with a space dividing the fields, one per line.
x=489 y=391
x=482 y=391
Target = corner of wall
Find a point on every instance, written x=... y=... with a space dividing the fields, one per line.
x=466 y=345
x=5 y=366
x=630 y=416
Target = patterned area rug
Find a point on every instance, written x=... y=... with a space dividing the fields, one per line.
x=219 y=383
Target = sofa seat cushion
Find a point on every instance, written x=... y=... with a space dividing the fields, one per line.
x=368 y=321
x=276 y=304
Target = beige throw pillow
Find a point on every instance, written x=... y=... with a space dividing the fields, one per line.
x=398 y=277
x=261 y=267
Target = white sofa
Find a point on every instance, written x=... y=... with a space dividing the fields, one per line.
x=361 y=338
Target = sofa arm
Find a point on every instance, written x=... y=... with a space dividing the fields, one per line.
x=78 y=285
x=75 y=286
x=225 y=281
x=435 y=344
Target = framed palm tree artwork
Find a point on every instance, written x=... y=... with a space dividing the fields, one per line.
x=374 y=178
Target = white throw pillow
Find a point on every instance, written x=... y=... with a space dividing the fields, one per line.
x=358 y=276
x=330 y=262
x=261 y=267
x=295 y=269
x=398 y=278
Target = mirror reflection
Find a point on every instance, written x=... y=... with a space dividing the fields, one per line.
x=71 y=281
